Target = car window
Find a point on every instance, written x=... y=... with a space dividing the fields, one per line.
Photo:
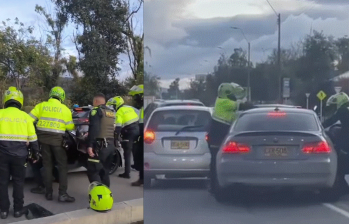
x=276 y=122
x=175 y=120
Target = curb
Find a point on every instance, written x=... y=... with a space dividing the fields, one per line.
x=125 y=212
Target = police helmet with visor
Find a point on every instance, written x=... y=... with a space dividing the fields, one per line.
x=12 y=95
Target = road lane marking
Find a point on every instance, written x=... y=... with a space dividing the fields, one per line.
x=336 y=209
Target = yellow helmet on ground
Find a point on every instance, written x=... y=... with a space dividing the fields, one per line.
x=100 y=197
x=116 y=101
x=12 y=95
x=136 y=90
x=57 y=92
x=338 y=99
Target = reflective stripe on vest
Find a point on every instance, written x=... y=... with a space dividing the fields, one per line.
x=141 y=116
x=52 y=116
x=125 y=116
x=16 y=126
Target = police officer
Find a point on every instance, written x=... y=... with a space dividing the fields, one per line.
x=100 y=141
x=137 y=93
x=53 y=119
x=126 y=128
x=340 y=102
x=224 y=114
x=16 y=133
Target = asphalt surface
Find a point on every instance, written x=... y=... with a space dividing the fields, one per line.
x=188 y=202
x=77 y=187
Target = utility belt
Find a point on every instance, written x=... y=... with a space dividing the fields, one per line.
x=100 y=145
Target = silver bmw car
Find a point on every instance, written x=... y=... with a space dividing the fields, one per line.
x=276 y=147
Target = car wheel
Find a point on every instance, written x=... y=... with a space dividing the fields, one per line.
x=147 y=183
x=115 y=164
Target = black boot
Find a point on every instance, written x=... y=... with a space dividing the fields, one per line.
x=65 y=198
x=4 y=215
x=19 y=213
x=38 y=190
x=137 y=183
x=125 y=175
x=49 y=196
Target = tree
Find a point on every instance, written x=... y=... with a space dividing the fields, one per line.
x=135 y=44
x=342 y=45
x=173 y=90
x=151 y=84
x=23 y=60
x=56 y=24
x=101 y=40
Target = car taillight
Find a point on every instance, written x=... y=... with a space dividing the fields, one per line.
x=234 y=147
x=318 y=147
x=206 y=137
x=149 y=137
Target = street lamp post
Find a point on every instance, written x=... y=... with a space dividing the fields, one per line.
x=248 y=63
x=279 y=48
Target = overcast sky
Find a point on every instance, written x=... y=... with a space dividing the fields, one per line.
x=185 y=36
x=25 y=11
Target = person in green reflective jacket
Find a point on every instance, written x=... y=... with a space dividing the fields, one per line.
x=224 y=114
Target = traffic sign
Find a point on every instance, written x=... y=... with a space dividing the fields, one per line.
x=337 y=89
x=321 y=95
x=307 y=95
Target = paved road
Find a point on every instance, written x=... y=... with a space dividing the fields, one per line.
x=78 y=184
x=188 y=202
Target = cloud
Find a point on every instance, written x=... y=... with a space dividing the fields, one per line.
x=184 y=36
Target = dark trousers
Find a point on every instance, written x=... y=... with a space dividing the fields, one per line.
x=15 y=167
x=139 y=157
x=216 y=135
x=99 y=171
x=36 y=167
x=60 y=156
x=129 y=136
x=213 y=173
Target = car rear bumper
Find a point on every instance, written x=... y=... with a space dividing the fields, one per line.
x=319 y=173
x=176 y=166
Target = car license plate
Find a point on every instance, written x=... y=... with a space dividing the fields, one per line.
x=179 y=144
x=277 y=151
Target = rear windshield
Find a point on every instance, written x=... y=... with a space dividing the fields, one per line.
x=286 y=122
x=175 y=120
x=80 y=114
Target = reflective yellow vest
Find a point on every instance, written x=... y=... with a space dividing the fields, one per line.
x=141 y=115
x=225 y=111
x=16 y=126
x=52 y=116
x=125 y=116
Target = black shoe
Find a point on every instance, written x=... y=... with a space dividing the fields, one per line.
x=38 y=190
x=137 y=183
x=19 y=213
x=134 y=167
x=49 y=197
x=65 y=198
x=4 y=215
x=124 y=175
